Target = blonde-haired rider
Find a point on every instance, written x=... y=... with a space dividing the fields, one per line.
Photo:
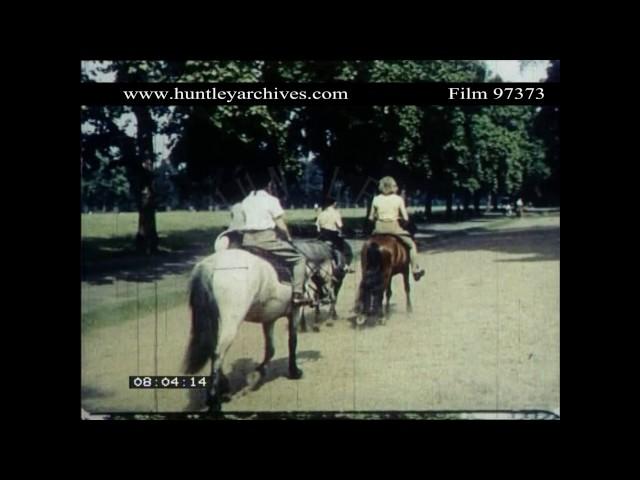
x=386 y=211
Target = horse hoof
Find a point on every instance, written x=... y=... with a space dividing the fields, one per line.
x=316 y=329
x=360 y=320
x=295 y=374
x=214 y=404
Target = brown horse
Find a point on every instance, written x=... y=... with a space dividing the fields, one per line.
x=382 y=257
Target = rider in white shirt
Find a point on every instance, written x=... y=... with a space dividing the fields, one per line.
x=329 y=224
x=386 y=211
x=263 y=216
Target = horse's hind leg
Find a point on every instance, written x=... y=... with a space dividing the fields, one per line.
x=214 y=394
x=305 y=324
x=379 y=310
x=294 y=372
x=407 y=290
x=269 y=349
x=336 y=290
x=385 y=292
x=316 y=318
x=214 y=401
x=388 y=305
x=218 y=380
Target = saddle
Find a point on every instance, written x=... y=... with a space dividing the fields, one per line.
x=315 y=287
x=282 y=269
x=399 y=237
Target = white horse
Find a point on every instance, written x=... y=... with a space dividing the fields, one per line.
x=227 y=288
x=324 y=280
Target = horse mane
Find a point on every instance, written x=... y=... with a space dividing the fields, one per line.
x=394 y=245
x=316 y=251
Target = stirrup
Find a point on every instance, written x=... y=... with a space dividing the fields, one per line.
x=298 y=299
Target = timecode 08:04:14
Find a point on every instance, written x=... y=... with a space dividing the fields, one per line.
x=169 y=382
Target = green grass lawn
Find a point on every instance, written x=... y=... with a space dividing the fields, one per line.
x=110 y=236
x=107 y=236
x=115 y=225
x=101 y=308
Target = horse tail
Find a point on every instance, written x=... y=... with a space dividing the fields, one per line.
x=204 y=320
x=372 y=275
x=374 y=258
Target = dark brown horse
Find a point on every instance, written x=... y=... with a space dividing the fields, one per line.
x=382 y=257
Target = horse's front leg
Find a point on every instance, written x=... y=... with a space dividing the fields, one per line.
x=332 y=312
x=294 y=372
x=316 y=318
x=269 y=349
x=336 y=290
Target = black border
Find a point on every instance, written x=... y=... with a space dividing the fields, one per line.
x=67 y=171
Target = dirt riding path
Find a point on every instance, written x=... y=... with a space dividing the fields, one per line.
x=484 y=335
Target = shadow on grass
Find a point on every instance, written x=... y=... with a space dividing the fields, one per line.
x=106 y=260
x=89 y=395
x=533 y=243
x=91 y=392
x=126 y=309
x=242 y=372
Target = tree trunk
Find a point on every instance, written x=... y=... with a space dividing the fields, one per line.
x=449 y=204
x=476 y=201
x=428 y=206
x=147 y=237
x=489 y=202
x=466 y=202
x=326 y=181
x=329 y=176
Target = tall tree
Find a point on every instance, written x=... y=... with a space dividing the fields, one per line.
x=137 y=156
x=547 y=127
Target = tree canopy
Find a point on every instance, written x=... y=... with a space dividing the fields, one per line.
x=438 y=151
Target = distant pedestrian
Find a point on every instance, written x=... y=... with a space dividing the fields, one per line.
x=519 y=207
x=507 y=209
